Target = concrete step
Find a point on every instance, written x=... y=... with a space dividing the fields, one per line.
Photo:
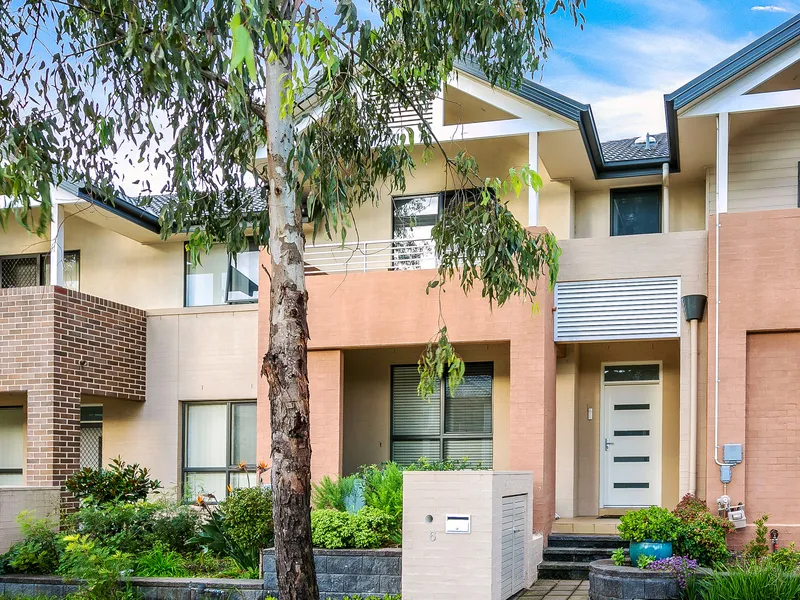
x=579 y=555
x=563 y=570
x=568 y=540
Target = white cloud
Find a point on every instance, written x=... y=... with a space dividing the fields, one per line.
x=770 y=8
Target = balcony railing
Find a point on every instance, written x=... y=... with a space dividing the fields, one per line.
x=379 y=255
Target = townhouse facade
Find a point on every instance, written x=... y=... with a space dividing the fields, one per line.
x=619 y=392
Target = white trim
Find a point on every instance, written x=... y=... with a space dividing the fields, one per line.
x=605 y=420
x=533 y=163
x=437 y=118
x=723 y=139
x=56 y=240
x=489 y=129
x=727 y=99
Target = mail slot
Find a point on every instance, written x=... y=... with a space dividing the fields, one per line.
x=456 y=524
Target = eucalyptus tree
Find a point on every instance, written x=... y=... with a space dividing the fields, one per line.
x=196 y=88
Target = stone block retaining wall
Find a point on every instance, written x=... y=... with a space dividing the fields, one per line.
x=610 y=582
x=342 y=573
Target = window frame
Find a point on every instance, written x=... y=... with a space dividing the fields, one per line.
x=21 y=470
x=228 y=469
x=228 y=279
x=659 y=189
x=41 y=259
x=443 y=436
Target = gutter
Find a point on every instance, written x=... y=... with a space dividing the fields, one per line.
x=127 y=210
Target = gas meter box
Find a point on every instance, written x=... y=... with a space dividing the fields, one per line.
x=737 y=517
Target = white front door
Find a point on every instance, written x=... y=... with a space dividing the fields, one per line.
x=630 y=444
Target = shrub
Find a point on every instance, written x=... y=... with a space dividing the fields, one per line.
x=654 y=523
x=332 y=493
x=786 y=559
x=248 y=517
x=383 y=490
x=97 y=567
x=618 y=556
x=40 y=550
x=137 y=527
x=215 y=537
x=754 y=582
x=423 y=464
x=368 y=528
x=645 y=560
x=703 y=539
x=682 y=568
x=757 y=548
x=120 y=482
x=160 y=561
x=690 y=507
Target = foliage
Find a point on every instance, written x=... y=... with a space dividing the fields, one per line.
x=645 y=560
x=214 y=537
x=757 y=549
x=206 y=564
x=98 y=568
x=618 y=556
x=701 y=534
x=383 y=490
x=450 y=464
x=39 y=551
x=136 y=527
x=248 y=517
x=160 y=561
x=682 y=568
x=786 y=559
x=752 y=582
x=655 y=523
x=118 y=483
x=331 y=493
x=368 y=528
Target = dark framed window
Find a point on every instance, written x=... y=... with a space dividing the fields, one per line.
x=91 y=456
x=28 y=270
x=636 y=211
x=220 y=278
x=451 y=424
x=413 y=218
x=12 y=444
x=217 y=437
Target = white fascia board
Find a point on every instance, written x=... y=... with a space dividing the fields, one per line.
x=728 y=98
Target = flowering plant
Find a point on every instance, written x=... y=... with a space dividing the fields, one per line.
x=681 y=567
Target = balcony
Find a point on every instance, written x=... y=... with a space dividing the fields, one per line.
x=378 y=255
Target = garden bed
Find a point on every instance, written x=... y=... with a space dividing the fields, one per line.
x=610 y=582
x=342 y=573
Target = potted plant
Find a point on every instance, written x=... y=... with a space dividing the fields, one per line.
x=650 y=531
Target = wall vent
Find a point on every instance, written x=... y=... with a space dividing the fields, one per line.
x=618 y=309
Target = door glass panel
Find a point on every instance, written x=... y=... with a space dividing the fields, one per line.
x=206 y=435
x=615 y=373
x=412 y=227
x=244 y=277
x=206 y=282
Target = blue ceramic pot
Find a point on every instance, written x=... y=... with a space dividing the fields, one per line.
x=650 y=548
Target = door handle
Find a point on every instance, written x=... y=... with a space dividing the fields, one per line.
x=608 y=444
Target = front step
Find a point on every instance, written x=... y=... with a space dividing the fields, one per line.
x=568 y=556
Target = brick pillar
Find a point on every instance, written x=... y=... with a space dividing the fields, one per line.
x=53 y=452
x=326 y=383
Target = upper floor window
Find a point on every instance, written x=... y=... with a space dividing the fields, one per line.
x=27 y=270
x=223 y=279
x=636 y=211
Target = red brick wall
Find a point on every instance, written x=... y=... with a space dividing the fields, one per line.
x=759 y=292
x=56 y=345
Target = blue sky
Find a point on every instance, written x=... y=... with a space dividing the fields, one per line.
x=632 y=52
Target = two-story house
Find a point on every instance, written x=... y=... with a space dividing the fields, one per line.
x=111 y=343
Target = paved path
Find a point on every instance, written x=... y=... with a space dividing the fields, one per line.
x=548 y=589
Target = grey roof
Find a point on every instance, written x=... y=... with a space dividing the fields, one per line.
x=154 y=204
x=734 y=65
x=628 y=149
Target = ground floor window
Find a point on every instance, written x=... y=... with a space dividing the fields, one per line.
x=451 y=424
x=217 y=438
x=91 y=437
x=12 y=444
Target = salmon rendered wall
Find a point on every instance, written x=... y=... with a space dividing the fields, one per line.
x=759 y=350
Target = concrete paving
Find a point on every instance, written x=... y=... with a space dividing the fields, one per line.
x=549 y=589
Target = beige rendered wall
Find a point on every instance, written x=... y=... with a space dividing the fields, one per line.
x=557 y=206
x=192 y=355
x=112 y=266
x=367 y=400
x=567 y=365
x=39 y=502
x=587 y=433
x=686 y=210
